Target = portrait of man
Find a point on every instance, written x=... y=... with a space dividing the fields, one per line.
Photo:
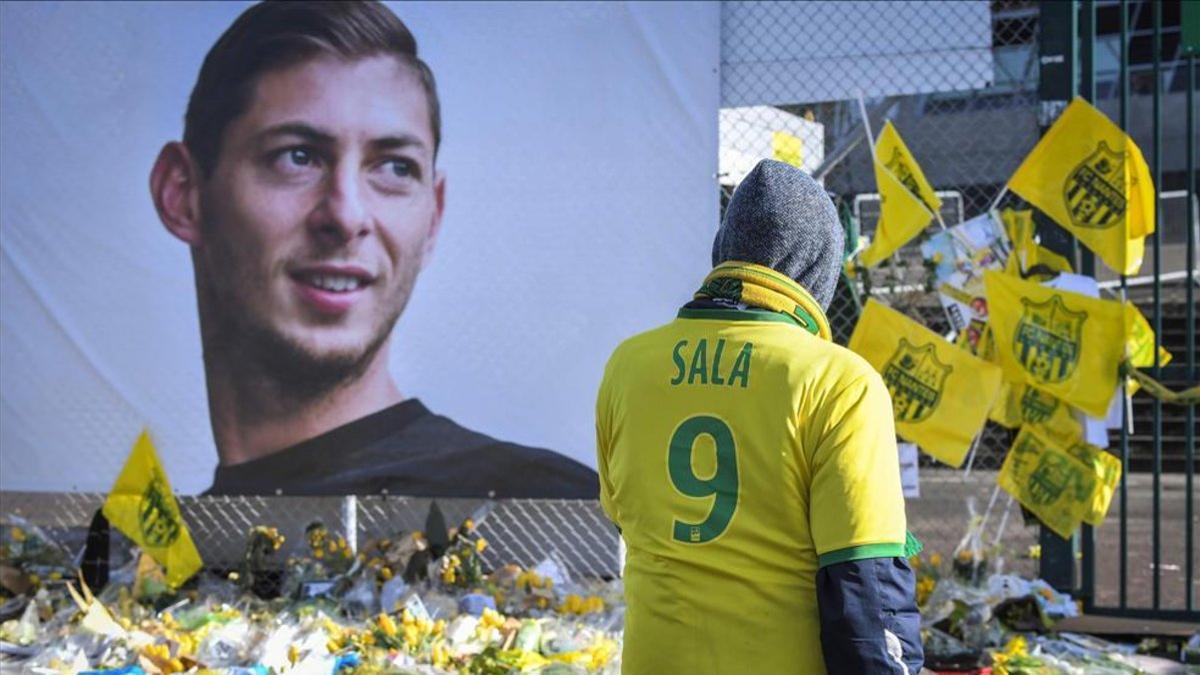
x=308 y=190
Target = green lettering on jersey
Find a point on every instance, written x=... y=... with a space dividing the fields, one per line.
x=716 y=373
x=741 y=366
x=699 y=364
x=679 y=363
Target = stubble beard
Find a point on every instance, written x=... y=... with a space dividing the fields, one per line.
x=293 y=370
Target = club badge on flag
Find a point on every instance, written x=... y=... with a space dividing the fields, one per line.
x=1090 y=177
x=1049 y=481
x=1066 y=344
x=940 y=393
x=142 y=506
x=1107 y=469
x=1020 y=404
x=907 y=200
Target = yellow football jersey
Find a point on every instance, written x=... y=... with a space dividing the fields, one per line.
x=738 y=453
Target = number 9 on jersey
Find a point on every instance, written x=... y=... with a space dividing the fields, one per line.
x=722 y=485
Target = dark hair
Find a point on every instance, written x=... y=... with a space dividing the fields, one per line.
x=277 y=34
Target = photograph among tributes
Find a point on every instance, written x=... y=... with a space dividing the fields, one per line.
x=599 y=337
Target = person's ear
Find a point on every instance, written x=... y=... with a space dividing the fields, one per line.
x=435 y=225
x=175 y=189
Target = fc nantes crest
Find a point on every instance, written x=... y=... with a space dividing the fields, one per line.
x=158 y=518
x=1048 y=339
x=1037 y=407
x=915 y=379
x=901 y=171
x=1095 y=192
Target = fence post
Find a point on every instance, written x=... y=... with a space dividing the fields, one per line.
x=1057 y=86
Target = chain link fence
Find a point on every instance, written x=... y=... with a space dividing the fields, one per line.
x=959 y=82
x=957 y=79
x=574 y=534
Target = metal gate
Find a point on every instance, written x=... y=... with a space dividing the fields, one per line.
x=1139 y=57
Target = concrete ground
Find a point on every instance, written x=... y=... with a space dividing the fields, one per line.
x=939 y=518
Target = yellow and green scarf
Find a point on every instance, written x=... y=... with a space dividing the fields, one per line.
x=764 y=287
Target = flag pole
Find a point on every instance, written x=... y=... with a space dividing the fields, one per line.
x=996 y=201
x=1003 y=522
x=971 y=454
x=862 y=109
x=988 y=512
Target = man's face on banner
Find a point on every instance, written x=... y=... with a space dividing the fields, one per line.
x=322 y=208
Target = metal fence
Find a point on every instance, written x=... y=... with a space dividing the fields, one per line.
x=575 y=534
x=968 y=125
x=970 y=103
x=961 y=83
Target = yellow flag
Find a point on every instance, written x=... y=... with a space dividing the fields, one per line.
x=1027 y=253
x=787 y=148
x=940 y=394
x=1107 y=469
x=1066 y=344
x=1091 y=178
x=1022 y=405
x=1049 y=481
x=142 y=506
x=1141 y=339
x=906 y=200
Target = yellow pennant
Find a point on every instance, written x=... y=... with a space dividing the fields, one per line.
x=788 y=148
x=1066 y=344
x=142 y=506
x=1022 y=405
x=1141 y=339
x=1027 y=254
x=1091 y=178
x=1107 y=469
x=1049 y=481
x=940 y=394
x=907 y=201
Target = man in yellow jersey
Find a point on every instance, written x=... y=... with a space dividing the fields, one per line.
x=751 y=464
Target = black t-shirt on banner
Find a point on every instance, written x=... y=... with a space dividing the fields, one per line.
x=407 y=450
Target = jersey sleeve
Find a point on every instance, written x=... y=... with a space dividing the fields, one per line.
x=856 y=503
x=603 y=446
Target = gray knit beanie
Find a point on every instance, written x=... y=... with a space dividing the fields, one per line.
x=779 y=217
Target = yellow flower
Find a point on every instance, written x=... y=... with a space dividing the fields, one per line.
x=935 y=559
x=411 y=636
x=480 y=545
x=386 y=624
x=1035 y=552
x=440 y=655
x=17 y=533
x=572 y=604
x=293 y=654
x=925 y=586
x=386 y=573
x=448 y=575
x=469 y=525
x=490 y=617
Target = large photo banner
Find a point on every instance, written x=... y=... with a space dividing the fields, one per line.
x=371 y=248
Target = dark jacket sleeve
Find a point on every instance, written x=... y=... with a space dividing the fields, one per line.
x=861 y=602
